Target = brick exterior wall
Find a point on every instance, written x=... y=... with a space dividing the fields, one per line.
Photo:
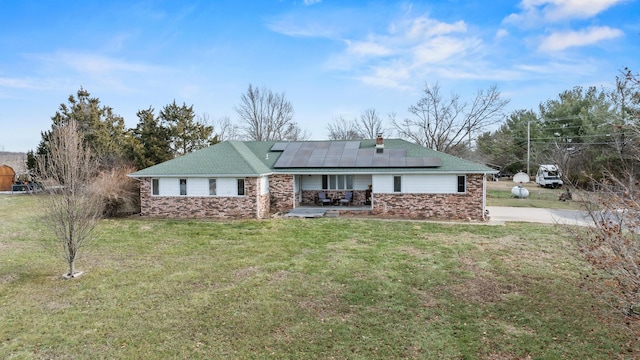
x=466 y=206
x=281 y=190
x=203 y=207
x=280 y=199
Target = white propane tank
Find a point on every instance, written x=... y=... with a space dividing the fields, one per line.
x=520 y=192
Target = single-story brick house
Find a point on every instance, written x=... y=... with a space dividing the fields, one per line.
x=255 y=179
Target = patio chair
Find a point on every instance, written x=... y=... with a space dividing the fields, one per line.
x=323 y=199
x=348 y=198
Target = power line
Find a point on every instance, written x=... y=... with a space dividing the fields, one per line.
x=569 y=137
x=575 y=143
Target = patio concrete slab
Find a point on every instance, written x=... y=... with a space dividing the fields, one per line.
x=307 y=212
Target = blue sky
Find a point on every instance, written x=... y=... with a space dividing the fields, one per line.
x=331 y=58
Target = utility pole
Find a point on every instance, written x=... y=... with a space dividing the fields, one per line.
x=528 y=145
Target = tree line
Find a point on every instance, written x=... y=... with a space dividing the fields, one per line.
x=583 y=130
x=586 y=131
x=173 y=131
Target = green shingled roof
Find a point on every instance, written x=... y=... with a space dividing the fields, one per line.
x=225 y=158
x=252 y=158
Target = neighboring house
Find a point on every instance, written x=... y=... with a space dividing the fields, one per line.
x=255 y=179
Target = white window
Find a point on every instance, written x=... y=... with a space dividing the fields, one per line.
x=397 y=183
x=183 y=186
x=337 y=182
x=212 y=186
x=240 y=187
x=462 y=183
x=155 y=187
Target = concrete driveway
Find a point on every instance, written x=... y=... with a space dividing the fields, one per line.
x=502 y=214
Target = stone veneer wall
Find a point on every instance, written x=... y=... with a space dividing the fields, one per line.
x=220 y=207
x=281 y=190
x=309 y=197
x=466 y=206
x=264 y=205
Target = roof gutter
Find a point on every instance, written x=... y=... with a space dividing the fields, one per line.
x=197 y=175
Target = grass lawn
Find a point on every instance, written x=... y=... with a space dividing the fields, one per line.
x=301 y=289
x=499 y=194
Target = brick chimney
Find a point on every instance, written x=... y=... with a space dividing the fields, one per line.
x=379 y=143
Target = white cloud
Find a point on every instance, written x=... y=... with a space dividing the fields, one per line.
x=16 y=83
x=311 y=28
x=423 y=26
x=91 y=69
x=577 y=9
x=387 y=77
x=501 y=33
x=410 y=48
x=566 y=39
x=535 y=12
x=442 y=49
x=97 y=64
x=311 y=2
x=367 y=48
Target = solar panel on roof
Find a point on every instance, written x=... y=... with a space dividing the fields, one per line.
x=432 y=162
x=414 y=162
x=332 y=161
x=335 y=152
x=380 y=160
x=299 y=162
x=348 y=160
x=286 y=158
x=352 y=145
x=279 y=146
x=396 y=156
x=344 y=154
x=364 y=158
x=317 y=158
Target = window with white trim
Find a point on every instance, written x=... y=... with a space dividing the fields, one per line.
x=337 y=182
x=183 y=186
x=240 y=187
x=155 y=187
x=397 y=183
x=212 y=187
x=462 y=183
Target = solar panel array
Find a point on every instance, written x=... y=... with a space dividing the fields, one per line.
x=345 y=154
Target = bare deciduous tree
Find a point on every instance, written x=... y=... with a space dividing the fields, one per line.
x=226 y=130
x=267 y=116
x=343 y=129
x=448 y=124
x=119 y=193
x=72 y=209
x=612 y=245
x=370 y=124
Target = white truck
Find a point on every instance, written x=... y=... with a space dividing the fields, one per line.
x=549 y=176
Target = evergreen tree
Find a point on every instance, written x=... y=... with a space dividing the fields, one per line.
x=102 y=130
x=577 y=132
x=152 y=145
x=186 y=134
